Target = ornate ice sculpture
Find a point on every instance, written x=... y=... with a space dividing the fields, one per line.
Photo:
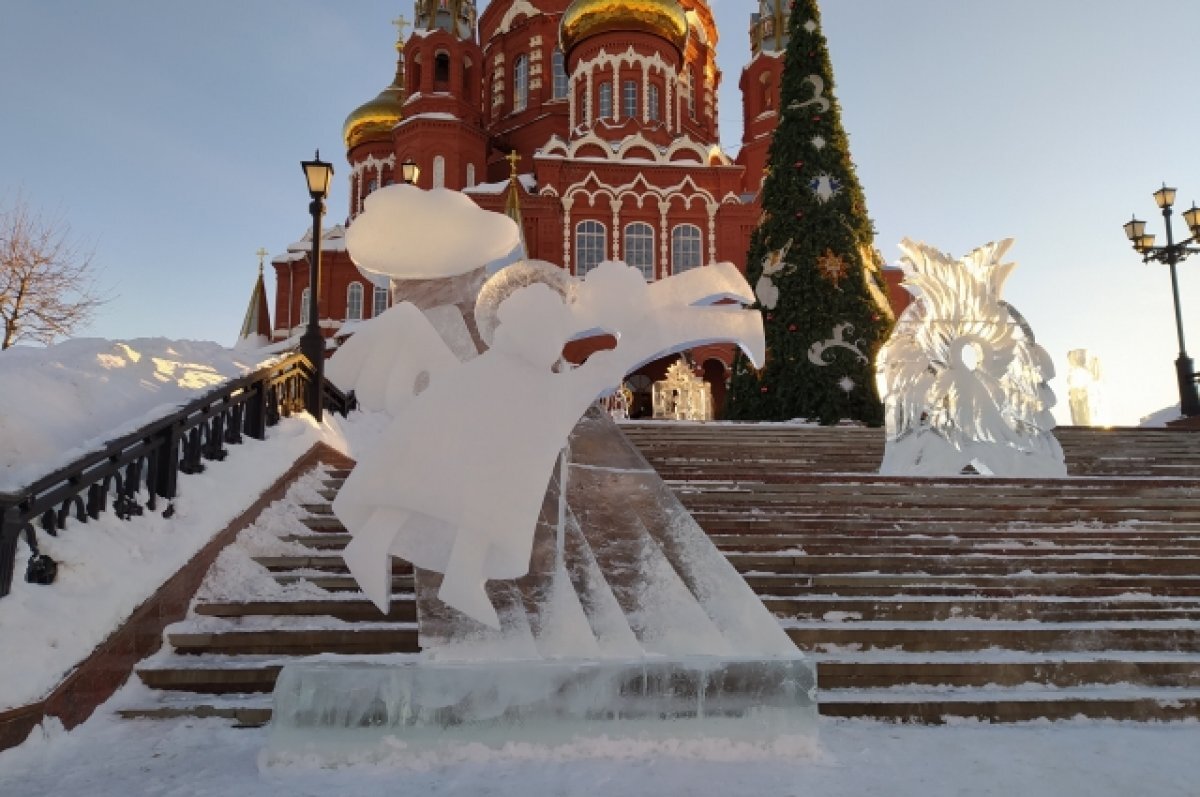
x=964 y=381
x=1083 y=385
x=456 y=483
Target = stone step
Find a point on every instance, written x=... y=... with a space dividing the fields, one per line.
x=342 y=583
x=396 y=638
x=816 y=546
x=812 y=522
x=1047 y=672
x=403 y=609
x=1181 y=566
x=907 y=608
x=882 y=584
x=242 y=710
x=1011 y=706
x=949 y=636
x=329 y=563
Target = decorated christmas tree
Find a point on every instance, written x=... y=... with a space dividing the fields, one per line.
x=812 y=261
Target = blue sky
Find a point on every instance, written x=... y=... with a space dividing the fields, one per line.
x=170 y=136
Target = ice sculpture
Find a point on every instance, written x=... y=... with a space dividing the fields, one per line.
x=964 y=381
x=1083 y=383
x=456 y=484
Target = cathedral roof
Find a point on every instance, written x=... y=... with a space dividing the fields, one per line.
x=586 y=18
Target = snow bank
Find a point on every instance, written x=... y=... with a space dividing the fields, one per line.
x=61 y=402
x=108 y=567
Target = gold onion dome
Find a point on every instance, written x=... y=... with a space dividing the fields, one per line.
x=586 y=18
x=374 y=120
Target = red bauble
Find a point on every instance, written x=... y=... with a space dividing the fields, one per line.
x=791 y=327
x=763 y=389
x=799 y=164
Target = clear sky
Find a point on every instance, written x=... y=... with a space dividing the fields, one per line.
x=170 y=136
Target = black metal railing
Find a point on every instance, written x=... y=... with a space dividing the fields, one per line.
x=139 y=470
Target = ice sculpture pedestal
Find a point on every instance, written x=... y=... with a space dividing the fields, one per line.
x=342 y=709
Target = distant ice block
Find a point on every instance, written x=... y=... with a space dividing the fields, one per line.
x=329 y=709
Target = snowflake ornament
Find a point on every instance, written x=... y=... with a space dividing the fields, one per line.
x=832 y=267
x=825 y=186
x=811 y=25
x=818 y=143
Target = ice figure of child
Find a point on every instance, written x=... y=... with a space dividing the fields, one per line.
x=449 y=488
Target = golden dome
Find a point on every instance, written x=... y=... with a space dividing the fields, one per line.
x=586 y=18
x=374 y=120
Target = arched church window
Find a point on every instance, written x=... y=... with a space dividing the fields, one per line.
x=639 y=248
x=768 y=96
x=558 y=65
x=304 y=302
x=685 y=248
x=372 y=185
x=441 y=68
x=520 y=83
x=354 y=302
x=470 y=174
x=439 y=171
x=379 y=301
x=652 y=99
x=590 y=242
x=629 y=109
x=606 y=100
x=691 y=94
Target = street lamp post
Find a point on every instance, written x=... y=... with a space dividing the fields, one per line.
x=409 y=171
x=312 y=342
x=1172 y=254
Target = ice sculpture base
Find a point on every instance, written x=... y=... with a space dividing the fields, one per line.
x=338 y=710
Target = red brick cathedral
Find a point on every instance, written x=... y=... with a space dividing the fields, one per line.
x=592 y=121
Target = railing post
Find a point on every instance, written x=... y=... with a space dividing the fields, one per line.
x=256 y=410
x=165 y=480
x=10 y=532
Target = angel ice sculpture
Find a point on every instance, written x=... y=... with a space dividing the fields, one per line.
x=963 y=379
x=456 y=483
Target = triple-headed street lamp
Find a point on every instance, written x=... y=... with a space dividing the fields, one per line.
x=1172 y=253
x=312 y=342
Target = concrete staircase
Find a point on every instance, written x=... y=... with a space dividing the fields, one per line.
x=1001 y=599
x=223 y=660
x=921 y=599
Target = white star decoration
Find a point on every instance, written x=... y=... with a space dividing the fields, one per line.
x=825 y=187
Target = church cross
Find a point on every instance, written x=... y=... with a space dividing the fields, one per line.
x=261 y=254
x=513 y=159
x=401 y=23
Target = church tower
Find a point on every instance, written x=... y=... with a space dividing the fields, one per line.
x=442 y=130
x=760 y=84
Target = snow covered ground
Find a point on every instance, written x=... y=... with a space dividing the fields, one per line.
x=110 y=757
x=108 y=567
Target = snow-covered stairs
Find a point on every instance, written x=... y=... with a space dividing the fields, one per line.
x=282 y=593
x=998 y=599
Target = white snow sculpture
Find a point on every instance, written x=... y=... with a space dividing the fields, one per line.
x=458 y=480
x=405 y=232
x=963 y=380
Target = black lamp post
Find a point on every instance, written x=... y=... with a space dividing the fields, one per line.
x=312 y=342
x=1172 y=253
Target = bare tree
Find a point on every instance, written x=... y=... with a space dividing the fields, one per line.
x=47 y=287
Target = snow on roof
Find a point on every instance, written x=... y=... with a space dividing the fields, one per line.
x=332 y=240
x=438 y=115
x=528 y=182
